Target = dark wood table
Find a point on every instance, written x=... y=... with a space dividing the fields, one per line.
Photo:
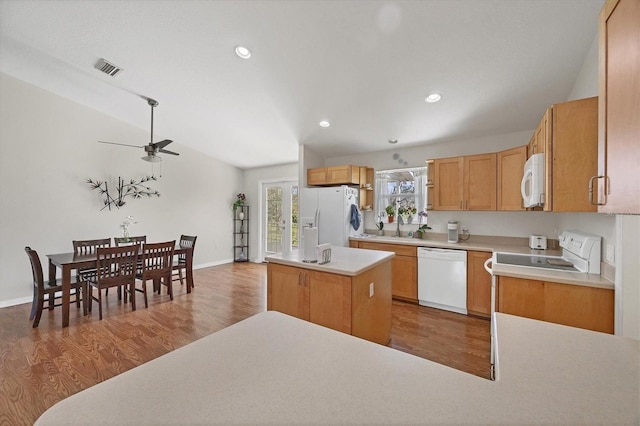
x=70 y=261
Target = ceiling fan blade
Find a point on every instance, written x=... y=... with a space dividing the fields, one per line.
x=165 y=151
x=122 y=144
x=162 y=144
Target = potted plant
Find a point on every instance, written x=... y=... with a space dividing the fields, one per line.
x=391 y=211
x=239 y=203
x=380 y=225
x=422 y=229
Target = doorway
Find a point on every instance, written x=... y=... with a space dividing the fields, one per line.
x=279 y=217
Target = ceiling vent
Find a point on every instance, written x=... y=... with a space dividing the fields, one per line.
x=107 y=67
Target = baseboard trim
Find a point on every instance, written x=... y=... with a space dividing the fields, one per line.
x=14 y=302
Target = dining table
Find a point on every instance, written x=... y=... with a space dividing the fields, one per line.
x=68 y=262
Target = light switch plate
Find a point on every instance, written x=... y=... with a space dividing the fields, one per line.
x=610 y=254
x=370 y=289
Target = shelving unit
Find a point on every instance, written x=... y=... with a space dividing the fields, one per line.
x=366 y=188
x=241 y=234
x=429 y=185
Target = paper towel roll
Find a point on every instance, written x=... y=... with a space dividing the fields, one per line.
x=309 y=248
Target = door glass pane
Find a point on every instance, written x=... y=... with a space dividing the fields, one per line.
x=294 y=217
x=274 y=219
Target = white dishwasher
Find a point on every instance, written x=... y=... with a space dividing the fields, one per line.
x=442 y=279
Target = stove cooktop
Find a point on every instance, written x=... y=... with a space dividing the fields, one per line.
x=533 y=261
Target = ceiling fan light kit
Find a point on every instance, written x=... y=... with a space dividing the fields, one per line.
x=152 y=149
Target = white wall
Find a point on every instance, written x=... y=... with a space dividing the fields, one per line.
x=586 y=84
x=253 y=179
x=48 y=148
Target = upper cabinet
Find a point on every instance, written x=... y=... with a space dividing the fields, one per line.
x=574 y=145
x=367 y=184
x=334 y=175
x=465 y=183
x=618 y=189
x=510 y=167
x=568 y=137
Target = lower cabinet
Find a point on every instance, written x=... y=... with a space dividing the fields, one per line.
x=404 y=277
x=573 y=305
x=478 y=284
x=340 y=302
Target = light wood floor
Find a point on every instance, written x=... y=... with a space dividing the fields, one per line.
x=39 y=367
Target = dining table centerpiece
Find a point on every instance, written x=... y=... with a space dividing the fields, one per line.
x=239 y=204
x=124 y=226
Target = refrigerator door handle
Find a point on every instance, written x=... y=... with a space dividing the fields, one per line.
x=316 y=218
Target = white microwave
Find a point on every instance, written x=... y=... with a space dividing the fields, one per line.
x=532 y=185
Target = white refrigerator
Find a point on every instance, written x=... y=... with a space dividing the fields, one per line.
x=329 y=209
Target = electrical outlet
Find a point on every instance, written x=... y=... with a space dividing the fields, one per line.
x=370 y=289
x=610 y=254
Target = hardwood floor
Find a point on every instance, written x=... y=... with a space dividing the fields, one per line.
x=39 y=367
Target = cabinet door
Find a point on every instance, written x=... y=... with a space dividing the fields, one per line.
x=619 y=107
x=524 y=298
x=448 y=183
x=404 y=277
x=510 y=171
x=575 y=154
x=543 y=144
x=286 y=291
x=343 y=175
x=478 y=284
x=317 y=176
x=479 y=182
x=578 y=306
x=329 y=300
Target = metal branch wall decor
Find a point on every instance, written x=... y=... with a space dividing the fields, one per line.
x=134 y=189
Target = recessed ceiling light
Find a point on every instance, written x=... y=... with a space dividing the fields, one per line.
x=243 y=52
x=434 y=97
x=393 y=141
x=324 y=123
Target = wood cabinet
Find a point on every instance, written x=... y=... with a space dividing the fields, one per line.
x=404 y=277
x=574 y=149
x=340 y=302
x=568 y=137
x=573 y=305
x=618 y=189
x=510 y=169
x=465 y=183
x=334 y=175
x=478 y=284
x=367 y=185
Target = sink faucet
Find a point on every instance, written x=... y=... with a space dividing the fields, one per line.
x=397 y=234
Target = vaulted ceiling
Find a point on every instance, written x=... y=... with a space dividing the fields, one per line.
x=365 y=66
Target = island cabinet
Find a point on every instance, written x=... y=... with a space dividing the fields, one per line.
x=478 y=284
x=573 y=305
x=619 y=108
x=404 y=277
x=359 y=304
x=465 y=183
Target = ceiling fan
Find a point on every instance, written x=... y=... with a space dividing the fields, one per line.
x=152 y=149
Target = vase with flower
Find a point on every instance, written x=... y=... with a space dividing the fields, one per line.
x=422 y=229
x=124 y=226
x=239 y=204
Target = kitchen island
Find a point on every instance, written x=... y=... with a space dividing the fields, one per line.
x=351 y=294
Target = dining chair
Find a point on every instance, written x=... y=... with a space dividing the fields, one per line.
x=181 y=262
x=157 y=261
x=115 y=267
x=42 y=292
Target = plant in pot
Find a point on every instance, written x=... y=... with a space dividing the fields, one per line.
x=391 y=211
x=239 y=203
x=380 y=225
x=422 y=229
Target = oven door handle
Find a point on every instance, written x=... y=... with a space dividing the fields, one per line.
x=487 y=267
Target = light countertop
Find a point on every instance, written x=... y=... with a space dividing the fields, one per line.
x=276 y=369
x=344 y=260
x=540 y=274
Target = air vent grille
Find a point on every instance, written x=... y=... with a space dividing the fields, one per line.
x=107 y=67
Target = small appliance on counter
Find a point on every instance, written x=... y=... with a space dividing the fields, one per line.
x=452 y=231
x=537 y=242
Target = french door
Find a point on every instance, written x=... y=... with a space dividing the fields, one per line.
x=279 y=217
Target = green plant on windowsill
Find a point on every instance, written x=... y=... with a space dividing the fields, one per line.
x=391 y=211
